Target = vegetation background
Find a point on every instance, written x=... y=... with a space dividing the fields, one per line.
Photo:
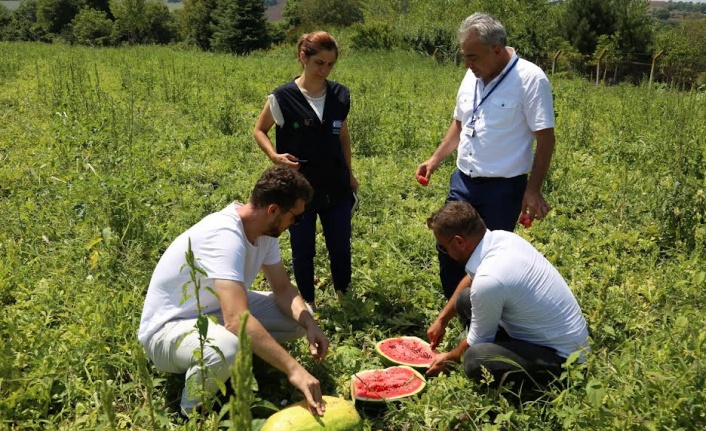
x=106 y=155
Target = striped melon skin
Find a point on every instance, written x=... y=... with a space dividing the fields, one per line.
x=411 y=351
x=389 y=384
x=340 y=415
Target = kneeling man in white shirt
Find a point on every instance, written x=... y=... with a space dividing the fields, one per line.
x=518 y=309
x=230 y=248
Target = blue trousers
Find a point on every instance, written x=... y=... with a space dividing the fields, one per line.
x=498 y=202
x=336 y=222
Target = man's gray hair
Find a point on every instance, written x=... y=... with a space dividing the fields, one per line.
x=487 y=29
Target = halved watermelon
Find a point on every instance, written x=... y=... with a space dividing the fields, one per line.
x=411 y=351
x=389 y=384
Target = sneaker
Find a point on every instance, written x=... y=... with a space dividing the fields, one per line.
x=183 y=414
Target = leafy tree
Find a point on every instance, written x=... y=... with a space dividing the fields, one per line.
x=684 y=50
x=520 y=19
x=55 y=15
x=661 y=14
x=196 y=23
x=24 y=24
x=5 y=20
x=102 y=5
x=585 y=21
x=633 y=24
x=326 y=12
x=161 y=25
x=130 y=20
x=239 y=26
x=92 y=27
x=291 y=14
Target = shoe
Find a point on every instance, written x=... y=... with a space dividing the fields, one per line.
x=185 y=415
x=312 y=305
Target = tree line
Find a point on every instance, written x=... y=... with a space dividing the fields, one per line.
x=621 y=30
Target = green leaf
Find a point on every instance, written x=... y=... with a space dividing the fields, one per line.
x=595 y=392
x=202 y=325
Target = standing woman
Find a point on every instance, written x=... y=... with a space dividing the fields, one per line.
x=312 y=136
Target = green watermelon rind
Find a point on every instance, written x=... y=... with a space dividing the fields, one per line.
x=392 y=361
x=360 y=374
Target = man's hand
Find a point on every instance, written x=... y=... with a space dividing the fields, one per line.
x=425 y=170
x=442 y=362
x=310 y=387
x=318 y=343
x=533 y=203
x=436 y=332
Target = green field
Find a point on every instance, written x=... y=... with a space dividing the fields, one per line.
x=106 y=155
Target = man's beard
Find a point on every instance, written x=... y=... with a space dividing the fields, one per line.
x=273 y=229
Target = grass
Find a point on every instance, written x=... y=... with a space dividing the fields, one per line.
x=106 y=155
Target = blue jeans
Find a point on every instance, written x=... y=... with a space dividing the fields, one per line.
x=336 y=222
x=498 y=202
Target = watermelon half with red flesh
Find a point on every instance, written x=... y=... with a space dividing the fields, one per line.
x=389 y=384
x=410 y=351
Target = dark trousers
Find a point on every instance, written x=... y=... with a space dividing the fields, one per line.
x=498 y=202
x=540 y=364
x=336 y=223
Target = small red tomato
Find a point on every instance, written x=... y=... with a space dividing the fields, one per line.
x=422 y=180
x=525 y=220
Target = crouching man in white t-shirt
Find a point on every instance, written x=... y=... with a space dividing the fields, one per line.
x=231 y=246
x=518 y=309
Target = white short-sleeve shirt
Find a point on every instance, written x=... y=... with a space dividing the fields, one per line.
x=219 y=244
x=517 y=288
x=505 y=121
x=316 y=103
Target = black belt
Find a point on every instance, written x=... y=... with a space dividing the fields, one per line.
x=483 y=180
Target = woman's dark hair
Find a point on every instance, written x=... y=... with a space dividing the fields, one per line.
x=315 y=42
x=282 y=186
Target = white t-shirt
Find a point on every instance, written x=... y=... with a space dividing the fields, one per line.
x=316 y=103
x=219 y=244
x=505 y=122
x=516 y=288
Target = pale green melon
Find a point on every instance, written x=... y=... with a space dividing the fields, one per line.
x=340 y=415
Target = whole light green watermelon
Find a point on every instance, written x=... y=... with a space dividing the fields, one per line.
x=340 y=415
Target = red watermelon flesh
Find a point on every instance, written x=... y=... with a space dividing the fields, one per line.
x=410 y=351
x=387 y=385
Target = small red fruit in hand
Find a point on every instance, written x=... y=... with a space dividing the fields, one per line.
x=422 y=180
x=525 y=220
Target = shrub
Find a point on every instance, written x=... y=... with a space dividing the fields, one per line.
x=92 y=27
x=374 y=35
x=432 y=40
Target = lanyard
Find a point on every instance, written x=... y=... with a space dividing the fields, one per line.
x=476 y=104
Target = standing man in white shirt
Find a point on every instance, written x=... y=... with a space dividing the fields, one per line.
x=503 y=105
x=231 y=247
x=517 y=307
